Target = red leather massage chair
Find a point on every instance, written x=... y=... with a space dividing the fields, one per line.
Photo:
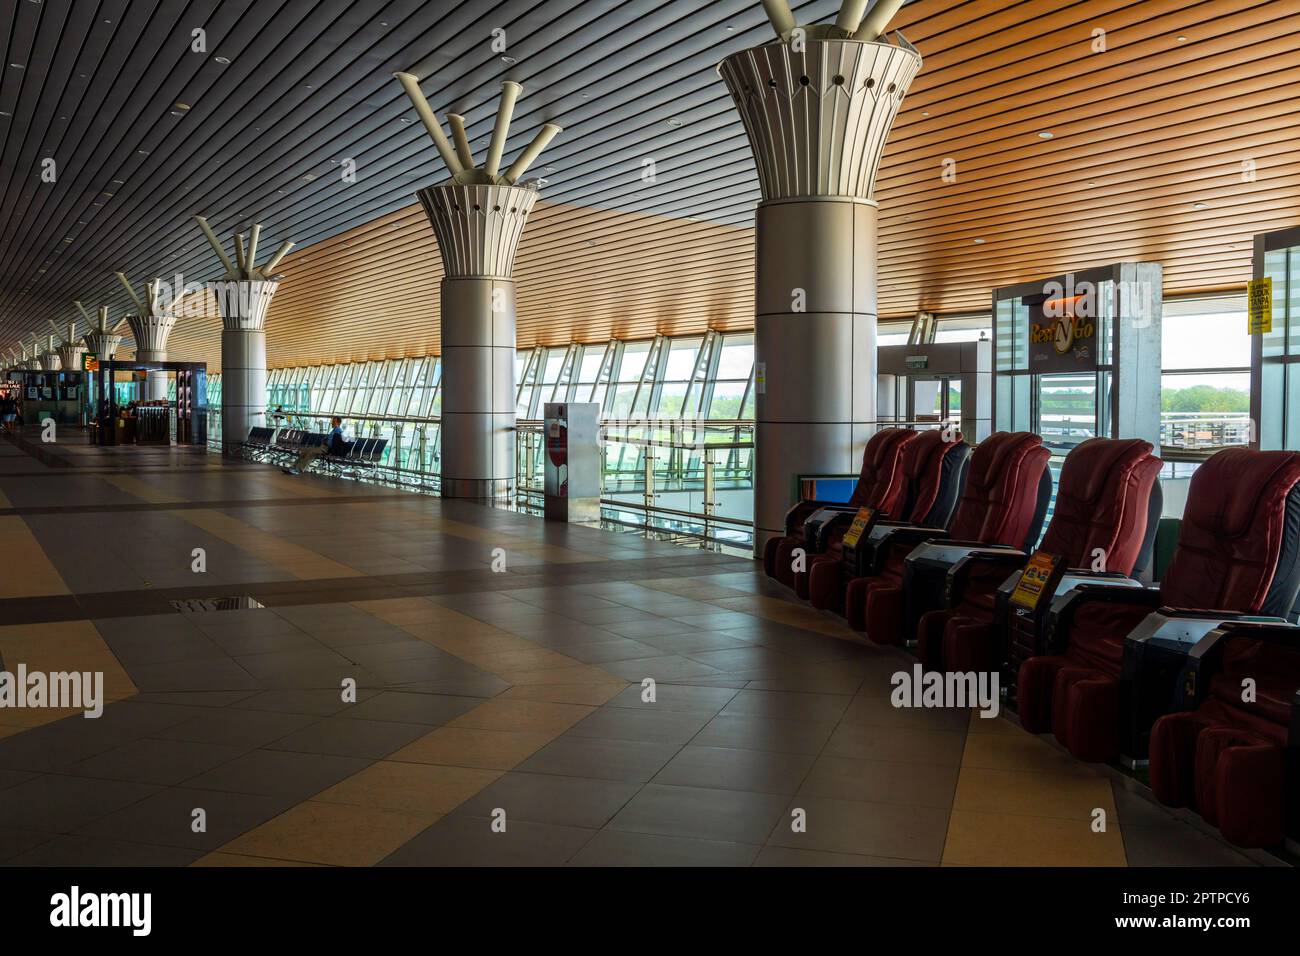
x=1111 y=650
x=880 y=485
x=1233 y=754
x=1107 y=503
x=933 y=469
x=1003 y=501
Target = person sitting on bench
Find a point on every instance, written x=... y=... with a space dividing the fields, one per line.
x=333 y=445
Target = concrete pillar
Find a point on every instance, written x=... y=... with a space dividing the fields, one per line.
x=151 y=332
x=243 y=304
x=478 y=229
x=817 y=119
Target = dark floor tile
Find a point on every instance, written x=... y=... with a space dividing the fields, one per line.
x=622 y=723
x=168 y=819
x=319 y=702
x=871 y=829
x=789 y=856
x=729 y=816
x=14 y=842
x=724 y=768
x=236 y=728
x=766 y=733
x=410 y=708
x=897 y=744
x=471 y=841
x=78 y=850
x=789 y=706
x=619 y=848
x=676 y=698
x=631 y=761
x=546 y=798
x=163 y=762
x=56 y=803
x=878 y=781
x=1185 y=846
x=344 y=737
x=278 y=773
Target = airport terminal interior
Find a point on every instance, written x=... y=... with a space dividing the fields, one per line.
x=649 y=433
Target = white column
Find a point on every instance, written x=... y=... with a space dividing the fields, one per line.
x=817 y=119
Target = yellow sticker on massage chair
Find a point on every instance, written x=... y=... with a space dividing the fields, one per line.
x=1034 y=579
x=859 y=525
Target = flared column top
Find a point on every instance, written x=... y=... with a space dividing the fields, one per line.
x=478 y=226
x=817 y=113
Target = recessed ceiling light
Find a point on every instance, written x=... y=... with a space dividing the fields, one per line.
x=674 y=122
x=979 y=242
x=143 y=152
x=181 y=106
x=1045 y=135
x=224 y=61
x=508 y=59
x=925 y=113
x=1199 y=205
x=1182 y=39
x=17 y=66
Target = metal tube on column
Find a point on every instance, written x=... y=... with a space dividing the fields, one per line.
x=243 y=301
x=815 y=262
x=478 y=218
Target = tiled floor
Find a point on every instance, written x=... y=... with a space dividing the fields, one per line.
x=498 y=717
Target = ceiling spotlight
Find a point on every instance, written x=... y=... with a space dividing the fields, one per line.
x=508 y=59
x=979 y=242
x=181 y=106
x=1182 y=39
x=674 y=122
x=1199 y=205
x=224 y=61
x=1045 y=135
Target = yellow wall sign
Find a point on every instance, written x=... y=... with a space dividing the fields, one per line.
x=859 y=525
x=1034 y=579
x=1259 y=294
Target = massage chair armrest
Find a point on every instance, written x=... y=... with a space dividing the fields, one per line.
x=841 y=519
x=1060 y=618
x=1205 y=657
x=1158 y=674
x=982 y=559
x=799 y=513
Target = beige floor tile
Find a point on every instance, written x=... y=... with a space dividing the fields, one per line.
x=1067 y=796
x=592 y=694
x=1004 y=839
x=220 y=858
x=331 y=833
x=410 y=787
x=470 y=747
x=1021 y=751
x=534 y=715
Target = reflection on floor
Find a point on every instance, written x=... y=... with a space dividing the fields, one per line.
x=499 y=715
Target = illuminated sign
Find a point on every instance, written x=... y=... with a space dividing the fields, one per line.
x=1062 y=335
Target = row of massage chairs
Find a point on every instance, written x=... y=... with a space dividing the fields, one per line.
x=1196 y=678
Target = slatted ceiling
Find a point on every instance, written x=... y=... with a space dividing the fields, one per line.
x=1155 y=123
